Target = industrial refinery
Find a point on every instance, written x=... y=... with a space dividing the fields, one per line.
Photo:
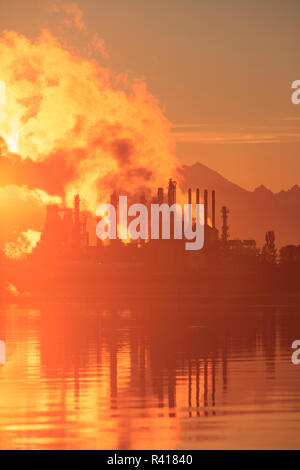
x=67 y=232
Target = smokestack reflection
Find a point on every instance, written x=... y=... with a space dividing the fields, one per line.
x=114 y=360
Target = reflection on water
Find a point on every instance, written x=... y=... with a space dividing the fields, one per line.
x=157 y=377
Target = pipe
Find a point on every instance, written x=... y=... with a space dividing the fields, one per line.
x=171 y=192
x=205 y=207
x=213 y=217
x=160 y=195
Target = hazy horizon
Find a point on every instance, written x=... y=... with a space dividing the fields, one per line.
x=221 y=74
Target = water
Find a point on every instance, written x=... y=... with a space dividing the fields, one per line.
x=155 y=376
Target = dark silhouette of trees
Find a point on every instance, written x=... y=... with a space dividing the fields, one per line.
x=269 y=252
x=290 y=255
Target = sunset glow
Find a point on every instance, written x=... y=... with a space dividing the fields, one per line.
x=149 y=228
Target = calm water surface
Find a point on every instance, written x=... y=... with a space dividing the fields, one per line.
x=156 y=376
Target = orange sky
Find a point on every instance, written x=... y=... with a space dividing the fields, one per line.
x=222 y=72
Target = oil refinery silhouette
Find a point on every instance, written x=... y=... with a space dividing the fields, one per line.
x=65 y=264
x=65 y=232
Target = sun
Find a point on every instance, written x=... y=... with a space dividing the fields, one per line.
x=12 y=137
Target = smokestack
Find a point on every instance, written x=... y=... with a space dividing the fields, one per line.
x=171 y=192
x=114 y=200
x=143 y=198
x=197 y=196
x=160 y=195
x=190 y=196
x=205 y=206
x=213 y=209
x=225 y=234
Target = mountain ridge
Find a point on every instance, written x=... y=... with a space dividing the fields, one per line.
x=252 y=213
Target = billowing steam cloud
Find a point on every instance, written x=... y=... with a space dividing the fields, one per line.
x=73 y=14
x=26 y=241
x=77 y=127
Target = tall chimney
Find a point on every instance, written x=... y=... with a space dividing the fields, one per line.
x=213 y=210
x=190 y=196
x=171 y=192
x=205 y=207
x=114 y=199
x=225 y=234
x=143 y=199
x=160 y=195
